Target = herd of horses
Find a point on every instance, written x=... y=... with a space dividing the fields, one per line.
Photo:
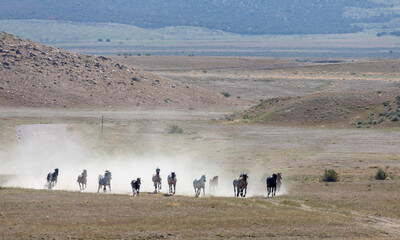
x=239 y=184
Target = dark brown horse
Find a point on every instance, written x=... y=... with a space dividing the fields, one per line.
x=271 y=184
x=136 y=186
x=240 y=185
x=52 y=178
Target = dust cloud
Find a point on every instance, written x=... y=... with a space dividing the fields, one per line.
x=44 y=147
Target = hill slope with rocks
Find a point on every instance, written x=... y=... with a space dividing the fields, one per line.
x=361 y=109
x=35 y=75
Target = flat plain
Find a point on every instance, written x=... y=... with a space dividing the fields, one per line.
x=134 y=141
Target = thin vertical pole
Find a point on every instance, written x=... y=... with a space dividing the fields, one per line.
x=102 y=123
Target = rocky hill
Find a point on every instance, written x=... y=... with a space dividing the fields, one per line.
x=362 y=109
x=35 y=75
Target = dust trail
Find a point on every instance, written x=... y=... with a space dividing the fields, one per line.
x=44 y=147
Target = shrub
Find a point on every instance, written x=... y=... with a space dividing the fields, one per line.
x=108 y=40
x=330 y=175
x=175 y=129
x=100 y=40
x=225 y=94
x=381 y=174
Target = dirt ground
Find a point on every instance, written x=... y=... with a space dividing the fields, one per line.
x=133 y=143
x=356 y=207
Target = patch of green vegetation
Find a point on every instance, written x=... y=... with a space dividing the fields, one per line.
x=381 y=174
x=225 y=94
x=330 y=175
x=174 y=129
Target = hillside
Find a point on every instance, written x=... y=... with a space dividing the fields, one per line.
x=35 y=75
x=359 y=109
x=238 y=16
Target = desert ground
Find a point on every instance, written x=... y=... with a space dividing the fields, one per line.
x=133 y=142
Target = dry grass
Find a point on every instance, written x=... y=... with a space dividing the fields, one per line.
x=62 y=215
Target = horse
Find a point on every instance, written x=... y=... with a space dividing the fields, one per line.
x=136 y=186
x=157 y=181
x=199 y=184
x=105 y=181
x=240 y=184
x=172 y=182
x=214 y=184
x=278 y=181
x=52 y=178
x=271 y=184
x=82 y=180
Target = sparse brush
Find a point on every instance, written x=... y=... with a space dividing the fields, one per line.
x=330 y=175
x=225 y=94
x=175 y=129
x=381 y=174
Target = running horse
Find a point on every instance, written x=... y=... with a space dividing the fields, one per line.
x=52 y=178
x=136 y=186
x=82 y=180
x=271 y=184
x=240 y=185
x=172 y=182
x=199 y=184
x=157 y=181
x=214 y=184
x=278 y=181
x=105 y=181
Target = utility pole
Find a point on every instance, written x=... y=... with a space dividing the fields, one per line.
x=102 y=123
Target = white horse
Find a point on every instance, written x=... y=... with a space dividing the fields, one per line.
x=172 y=182
x=157 y=181
x=199 y=184
x=105 y=181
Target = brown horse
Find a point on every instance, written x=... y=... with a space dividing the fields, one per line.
x=214 y=184
x=172 y=182
x=136 y=186
x=82 y=180
x=240 y=185
x=157 y=181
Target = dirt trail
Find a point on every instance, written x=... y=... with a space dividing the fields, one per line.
x=389 y=225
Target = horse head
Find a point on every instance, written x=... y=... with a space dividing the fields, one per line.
x=157 y=170
x=275 y=176
x=56 y=170
x=203 y=177
x=244 y=176
x=173 y=175
x=139 y=180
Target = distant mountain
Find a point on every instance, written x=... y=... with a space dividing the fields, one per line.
x=238 y=16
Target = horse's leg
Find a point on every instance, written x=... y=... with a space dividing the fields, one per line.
x=98 y=188
x=109 y=185
x=268 y=189
x=174 y=188
x=245 y=191
x=234 y=191
x=204 y=191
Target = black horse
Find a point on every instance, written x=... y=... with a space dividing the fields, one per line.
x=52 y=178
x=136 y=186
x=271 y=184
